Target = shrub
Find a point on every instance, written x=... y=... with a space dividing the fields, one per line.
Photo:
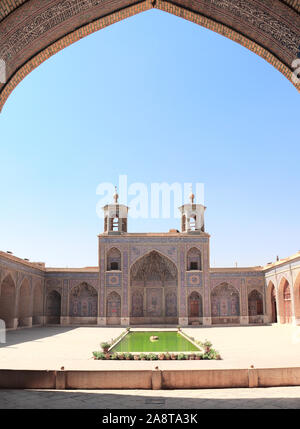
x=96 y=355
x=143 y=356
x=99 y=355
x=114 y=356
x=181 y=356
x=153 y=356
x=213 y=354
x=105 y=345
x=128 y=356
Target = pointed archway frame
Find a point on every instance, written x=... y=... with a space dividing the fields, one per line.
x=271 y=29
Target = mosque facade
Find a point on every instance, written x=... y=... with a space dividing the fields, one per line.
x=149 y=279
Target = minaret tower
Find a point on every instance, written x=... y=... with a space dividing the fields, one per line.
x=192 y=217
x=115 y=216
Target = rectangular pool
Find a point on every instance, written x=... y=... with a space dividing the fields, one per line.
x=169 y=341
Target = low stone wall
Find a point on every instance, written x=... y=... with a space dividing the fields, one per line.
x=27 y=379
x=204 y=379
x=108 y=379
x=148 y=379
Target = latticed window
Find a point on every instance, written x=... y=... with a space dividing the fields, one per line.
x=194 y=259
x=114 y=259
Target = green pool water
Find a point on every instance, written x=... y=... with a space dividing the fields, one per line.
x=168 y=342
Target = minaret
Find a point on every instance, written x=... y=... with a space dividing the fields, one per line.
x=192 y=216
x=115 y=216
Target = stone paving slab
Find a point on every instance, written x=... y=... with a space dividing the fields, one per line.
x=263 y=398
x=72 y=347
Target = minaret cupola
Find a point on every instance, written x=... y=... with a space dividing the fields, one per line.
x=192 y=216
x=115 y=216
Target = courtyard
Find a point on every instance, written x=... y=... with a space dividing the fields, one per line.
x=71 y=347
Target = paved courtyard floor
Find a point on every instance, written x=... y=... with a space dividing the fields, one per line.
x=240 y=347
x=267 y=398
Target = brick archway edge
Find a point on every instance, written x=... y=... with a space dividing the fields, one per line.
x=32 y=31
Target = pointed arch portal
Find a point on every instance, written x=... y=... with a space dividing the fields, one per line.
x=153 y=290
x=32 y=31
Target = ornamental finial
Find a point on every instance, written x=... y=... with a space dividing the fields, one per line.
x=116 y=196
x=192 y=196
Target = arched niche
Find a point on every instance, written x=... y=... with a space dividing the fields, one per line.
x=255 y=307
x=37 y=314
x=194 y=260
x=113 y=260
x=296 y=291
x=53 y=307
x=8 y=301
x=83 y=304
x=113 y=309
x=195 y=308
x=285 y=302
x=25 y=304
x=225 y=304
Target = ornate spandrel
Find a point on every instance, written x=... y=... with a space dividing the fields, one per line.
x=154 y=268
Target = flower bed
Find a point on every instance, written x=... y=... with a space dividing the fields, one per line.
x=211 y=355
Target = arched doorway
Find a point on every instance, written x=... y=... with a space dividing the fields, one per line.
x=25 y=304
x=296 y=290
x=53 y=307
x=37 y=314
x=195 y=308
x=8 y=302
x=113 y=309
x=285 y=302
x=153 y=290
x=273 y=305
x=255 y=307
x=83 y=304
x=225 y=304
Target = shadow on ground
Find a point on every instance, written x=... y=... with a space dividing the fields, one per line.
x=41 y=399
x=32 y=334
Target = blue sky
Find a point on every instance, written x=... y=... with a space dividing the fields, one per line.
x=161 y=100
